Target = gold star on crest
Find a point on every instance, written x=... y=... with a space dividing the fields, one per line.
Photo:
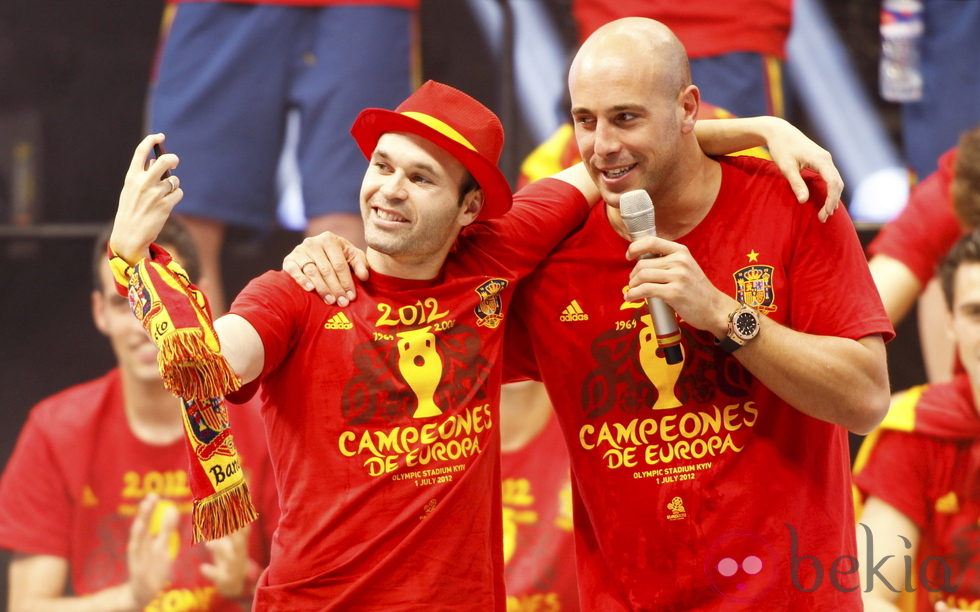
x=753 y=256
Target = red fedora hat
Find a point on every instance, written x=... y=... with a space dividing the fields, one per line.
x=469 y=131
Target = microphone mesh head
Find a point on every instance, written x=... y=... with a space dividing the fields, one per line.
x=636 y=208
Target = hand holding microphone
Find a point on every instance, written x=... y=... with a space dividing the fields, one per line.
x=636 y=208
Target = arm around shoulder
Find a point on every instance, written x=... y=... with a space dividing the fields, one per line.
x=791 y=151
x=577 y=176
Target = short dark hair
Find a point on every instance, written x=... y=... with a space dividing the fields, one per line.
x=174 y=235
x=966 y=250
x=469 y=184
x=965 y=187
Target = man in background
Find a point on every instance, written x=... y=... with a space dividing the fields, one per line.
x=919 y=470
x=229 y=76
x=95 y=501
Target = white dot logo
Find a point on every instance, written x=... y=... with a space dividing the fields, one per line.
x=740 y=567
x=751 y=565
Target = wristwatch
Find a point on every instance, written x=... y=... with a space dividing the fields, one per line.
x=743 y=325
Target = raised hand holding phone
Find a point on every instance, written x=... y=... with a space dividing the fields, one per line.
x=158 y=152
x=148 y=195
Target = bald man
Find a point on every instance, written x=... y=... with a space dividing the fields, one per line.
x=721 y=482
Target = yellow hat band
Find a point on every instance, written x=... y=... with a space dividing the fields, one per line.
x=440 y=126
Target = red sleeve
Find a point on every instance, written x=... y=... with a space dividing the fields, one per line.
x=35 y=497
x=926 y=229
x=544 y=213
x=897 y=473
x=831 y=290
x=271 y=303
x=520 y=362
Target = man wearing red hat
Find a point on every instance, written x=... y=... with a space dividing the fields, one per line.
x=381 y=418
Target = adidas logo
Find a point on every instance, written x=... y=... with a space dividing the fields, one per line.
x=338 y=321
x=573 y=312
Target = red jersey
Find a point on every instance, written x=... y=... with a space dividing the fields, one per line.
x=705 y=27
x=78 y=474
x=382 y=423
x=931 y=478
x=695 y=487
x=927 y=228
x=539 y=553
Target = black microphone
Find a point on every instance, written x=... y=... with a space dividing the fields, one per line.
x=636 y=208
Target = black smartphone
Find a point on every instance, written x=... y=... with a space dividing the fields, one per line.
x=158 y=151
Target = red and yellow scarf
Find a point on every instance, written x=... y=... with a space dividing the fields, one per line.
x=178 y=318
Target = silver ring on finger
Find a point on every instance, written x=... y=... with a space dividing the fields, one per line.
x=174 y=183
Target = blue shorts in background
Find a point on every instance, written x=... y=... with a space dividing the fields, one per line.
x=228 y=75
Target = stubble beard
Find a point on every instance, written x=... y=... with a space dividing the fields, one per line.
x=390 y=245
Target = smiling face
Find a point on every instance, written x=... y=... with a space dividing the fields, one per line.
x=628 y=114
x=410 y=203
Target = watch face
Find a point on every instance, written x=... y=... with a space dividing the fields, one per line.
x=746 y=325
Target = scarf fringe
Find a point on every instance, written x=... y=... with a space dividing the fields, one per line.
x=193 y=371
x=223 y=513
x=177 y=317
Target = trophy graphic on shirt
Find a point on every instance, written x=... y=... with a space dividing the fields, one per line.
x=663 y=375
x=421 y=367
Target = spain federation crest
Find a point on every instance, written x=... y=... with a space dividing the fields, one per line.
x=753 y=287
x=489 y=310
